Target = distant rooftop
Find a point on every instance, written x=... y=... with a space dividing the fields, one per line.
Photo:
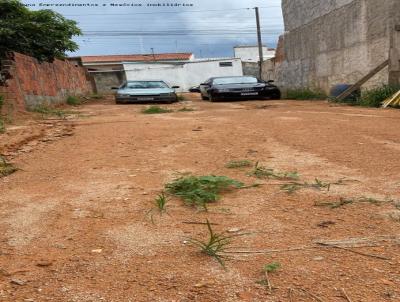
x=136 y=58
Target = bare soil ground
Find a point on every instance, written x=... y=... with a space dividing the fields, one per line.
x=75 y=224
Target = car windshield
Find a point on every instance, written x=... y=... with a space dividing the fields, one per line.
x=145 y=85
x=235 y=80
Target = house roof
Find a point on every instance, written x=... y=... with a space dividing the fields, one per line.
x=136 y=58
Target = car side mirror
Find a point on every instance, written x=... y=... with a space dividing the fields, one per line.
x=114 y=88
x=176 y=87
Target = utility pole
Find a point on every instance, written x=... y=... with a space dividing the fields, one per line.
x=260 y=46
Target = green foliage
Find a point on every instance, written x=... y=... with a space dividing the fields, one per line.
x=305 y=94
x=234 y=164
x=73 y=101
x=215 y=245
x=46 y=111
x=263 y=172
x=6 y=168
x=374 y=97
x=155 y=110
x=42 y=34
x=200 y=190
x=272 y=267
x=317 y=184
x=161 y=202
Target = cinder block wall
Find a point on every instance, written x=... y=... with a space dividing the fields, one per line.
x=31 y=83
x=327 y=42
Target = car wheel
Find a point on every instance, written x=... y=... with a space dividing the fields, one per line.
x=276 y=96
x=212 y=98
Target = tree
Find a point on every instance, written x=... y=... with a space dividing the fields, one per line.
x=42 y=34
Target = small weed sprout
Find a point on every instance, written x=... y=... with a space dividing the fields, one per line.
x=215 y=246
x=155 y=110
x=263 y=172
x=267 y=269
x=272 y=267
x=235 y=164
x=201 y=190
x=161 y=202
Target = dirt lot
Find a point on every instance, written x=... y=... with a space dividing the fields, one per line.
x=75 y=223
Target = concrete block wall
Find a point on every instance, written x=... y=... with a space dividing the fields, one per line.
x=31 y=83
x=328 y=42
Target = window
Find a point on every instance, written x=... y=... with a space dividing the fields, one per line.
x=225 y=64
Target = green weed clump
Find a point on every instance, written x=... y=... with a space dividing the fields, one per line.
x=305 y=94
x=6 y=168
x=49 y=111
x=215 y=245
x=201 y=190
x=155 y=110
x=73 y=101
x=234 y=164
x=263 y=172
x=374 y=97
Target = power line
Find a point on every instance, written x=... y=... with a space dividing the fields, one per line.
x=176 y=12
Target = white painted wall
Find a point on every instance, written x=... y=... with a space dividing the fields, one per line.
x=250 y=53
x=186 y=76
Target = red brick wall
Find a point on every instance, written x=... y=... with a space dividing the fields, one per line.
x=33 y=82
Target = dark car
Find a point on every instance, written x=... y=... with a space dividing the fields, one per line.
x=244 y=88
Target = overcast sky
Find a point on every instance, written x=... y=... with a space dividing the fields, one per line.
x=209 y=28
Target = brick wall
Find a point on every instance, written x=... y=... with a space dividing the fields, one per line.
x=26 y=83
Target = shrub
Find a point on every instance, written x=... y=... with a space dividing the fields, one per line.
x=305 y=94
x=73 y=101
x=374 y=97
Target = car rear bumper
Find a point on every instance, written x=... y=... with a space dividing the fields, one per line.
x=246 y=95
x=145 y=98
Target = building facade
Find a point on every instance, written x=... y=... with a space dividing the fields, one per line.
x=183 y=74
x=329 y=42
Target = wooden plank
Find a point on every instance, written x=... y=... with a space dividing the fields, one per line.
x=365 y=79
x=392 y=100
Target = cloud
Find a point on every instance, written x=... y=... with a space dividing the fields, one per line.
x=212 y=32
